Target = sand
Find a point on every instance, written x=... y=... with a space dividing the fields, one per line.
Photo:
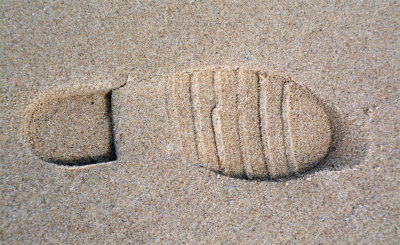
x=142 y=186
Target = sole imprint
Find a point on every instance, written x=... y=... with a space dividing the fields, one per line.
x=249 y=124
x=236 y=122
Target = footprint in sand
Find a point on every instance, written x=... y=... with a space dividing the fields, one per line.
x=237 y=122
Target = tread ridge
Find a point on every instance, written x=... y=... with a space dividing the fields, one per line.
x=287 y=132
x=225 y=118
x=212 y=121
x=262 y=116
x=249 y=125
x=263 y=121
x=272 y=127
x=202 y=94
x=259 y=102
x=236 y=82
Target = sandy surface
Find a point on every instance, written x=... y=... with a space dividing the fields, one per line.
x=345 y=54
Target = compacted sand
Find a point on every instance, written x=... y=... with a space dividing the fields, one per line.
x=199 y=122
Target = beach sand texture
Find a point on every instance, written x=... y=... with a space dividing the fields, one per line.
x=199 y=122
